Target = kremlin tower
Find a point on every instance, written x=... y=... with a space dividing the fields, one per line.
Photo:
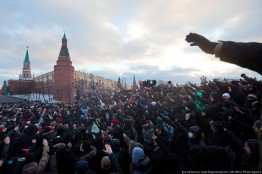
x=26 y=72
x=64 y=75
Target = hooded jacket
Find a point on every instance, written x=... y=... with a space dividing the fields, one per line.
x=140 y=163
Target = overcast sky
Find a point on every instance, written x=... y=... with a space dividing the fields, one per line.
x=113 y=38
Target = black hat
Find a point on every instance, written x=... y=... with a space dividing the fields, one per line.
x=160 y=126
x=253 y=145
x=196 y=131
x=81 y=167
x=257 y=123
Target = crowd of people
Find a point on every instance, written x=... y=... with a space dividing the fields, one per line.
x=160 y=128
x=163 y=128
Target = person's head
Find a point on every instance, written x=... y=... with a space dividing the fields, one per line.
x=105 y=163
x=115 y=144
x=226 y=97
x=137 y=155
x=255 y=107
x=251 y=98
x=81 y=167
x=115 y=122
x=85 y=146
x=216 y=126
x=59 y=130
x=256 y=126
x=251 y=147
x=187 y=116
x=66 y=126
x=144 y=123
x=83 y=126
x=214 y=96
x=159 y=129
x=195 y=134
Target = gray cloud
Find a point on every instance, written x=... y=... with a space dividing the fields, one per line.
x=116 y=33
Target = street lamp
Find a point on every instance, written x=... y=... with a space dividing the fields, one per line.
x=49 y=84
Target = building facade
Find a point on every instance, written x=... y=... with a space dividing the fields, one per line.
x=63 y=83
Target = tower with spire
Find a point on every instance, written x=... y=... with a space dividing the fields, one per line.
x=134 y=85
x=64 y=74
x=26 y=72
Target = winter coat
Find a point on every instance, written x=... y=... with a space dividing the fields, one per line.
x=147 y=137
x=141 y=164
x=209 y=158
x=143 y=167
x=247 y=55
x=22 y=142
x=37 y=168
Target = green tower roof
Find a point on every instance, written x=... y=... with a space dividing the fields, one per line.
x=27 y=56
x=64 y=37
x=64 y=51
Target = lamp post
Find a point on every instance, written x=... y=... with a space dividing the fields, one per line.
x=80 y=86
x=92 y=83
x=49 y=84
x=75 y=85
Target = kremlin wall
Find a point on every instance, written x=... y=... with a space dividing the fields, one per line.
x=63 y=83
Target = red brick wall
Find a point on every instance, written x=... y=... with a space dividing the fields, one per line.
x=21 y=86
x=63 y=80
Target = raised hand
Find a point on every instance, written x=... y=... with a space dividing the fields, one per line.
x=45 y=142
x=108 y=149
x=203 y=43
x=7 y=140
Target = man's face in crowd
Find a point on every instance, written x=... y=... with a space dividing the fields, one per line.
x=145 y=125
x=256 y=129
x=247 y=149
x=158 y=131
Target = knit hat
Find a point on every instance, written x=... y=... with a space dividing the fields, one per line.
x=226 y=95
x=252 y=97
x=115 y=144
x=105 y=163
x=81 y=167
x=115 y=121
x=255 y=104
x=2 y=127
x=153 y=103
x=137 y=155
x=257 y=123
